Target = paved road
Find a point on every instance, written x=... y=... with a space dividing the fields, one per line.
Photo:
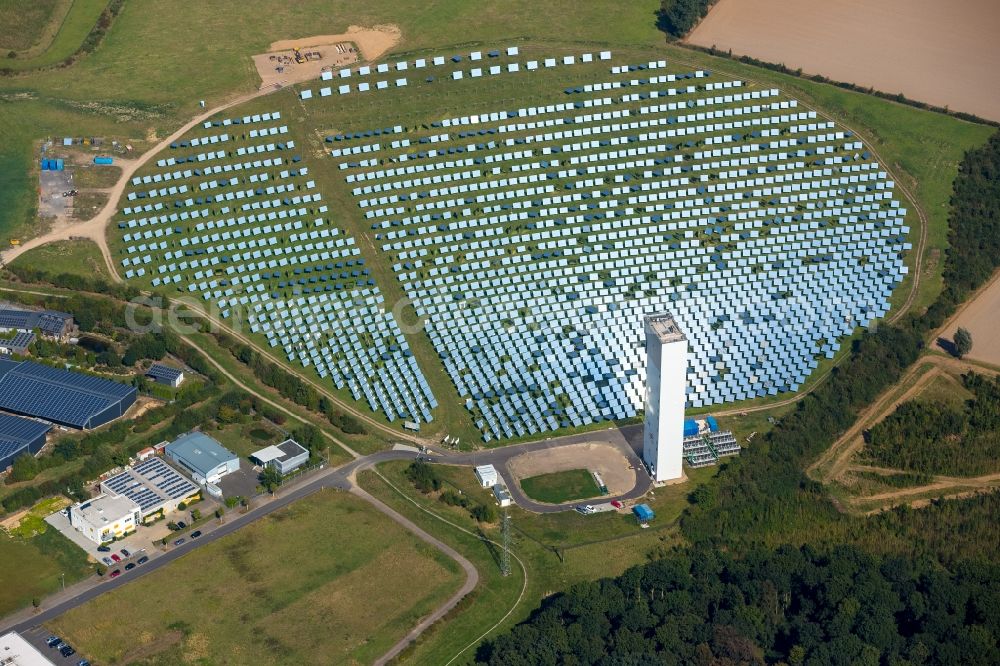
x=344 y=478
x=628 y=440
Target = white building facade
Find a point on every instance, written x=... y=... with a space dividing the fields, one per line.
x=666 y=389
x=105 y=517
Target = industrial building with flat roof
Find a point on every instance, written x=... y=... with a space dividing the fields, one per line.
x=17 y=344
x=19 y=435
x=164 y=374
x=63 y=397
x=152 y=484
x=206 y=459
x=15 y=651
x=487 y=476
x=105 y=518
x=285 y=457
x=50 y=323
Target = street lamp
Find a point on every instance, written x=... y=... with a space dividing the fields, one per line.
x=62 y=577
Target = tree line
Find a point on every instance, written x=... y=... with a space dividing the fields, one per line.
x=290 y=386
x=795 y=606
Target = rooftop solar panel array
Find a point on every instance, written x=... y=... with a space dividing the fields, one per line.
x=150 y=483
x=18 y=434
x=61 y=396
x=49 y=322
x=163 y=372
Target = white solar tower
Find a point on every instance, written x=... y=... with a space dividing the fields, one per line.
x=666 y=384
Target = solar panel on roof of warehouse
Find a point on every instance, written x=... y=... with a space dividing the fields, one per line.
x=61 y=396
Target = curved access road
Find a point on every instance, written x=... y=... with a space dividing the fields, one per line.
x=341 y=478
x=627 y=440
x=95 y=228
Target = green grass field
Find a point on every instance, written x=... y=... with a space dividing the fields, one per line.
x=34 y=566
x=326 y=580
x=58 y=34
x=77 y=257
x=559 y=487
x=25 y=23
x=557 y=550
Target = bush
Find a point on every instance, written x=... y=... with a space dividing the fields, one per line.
x=423 y=476
x=452 y=498
x=484 y=513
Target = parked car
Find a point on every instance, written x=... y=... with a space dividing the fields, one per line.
x=67 y=650
x=115 y=573
x=107 y=560
x=617 y=504
x=142 y=560
x=181 y=524
x=130 y=566
x=83 y=662
x=195 y=534
x=126 y=553
x=103 y=549
x=52 y=640
x=114 y=556
x=178 y=542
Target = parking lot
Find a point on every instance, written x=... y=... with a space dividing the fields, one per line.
x=37 y=637
x=51 y=202
x=242 y=483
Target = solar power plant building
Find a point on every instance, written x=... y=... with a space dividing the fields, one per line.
x=60 y=396
x=534 y=237
x=666 y=375
x=19 y=435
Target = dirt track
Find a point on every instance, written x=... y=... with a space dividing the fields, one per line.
x=835 y=462
x=937 y=52
x=598 y=457
x=371 y=42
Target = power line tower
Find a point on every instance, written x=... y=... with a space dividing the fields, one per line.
x=505 y=535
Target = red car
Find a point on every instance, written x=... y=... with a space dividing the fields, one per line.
x=114 y=556
x=115 y=573
x=616 y=504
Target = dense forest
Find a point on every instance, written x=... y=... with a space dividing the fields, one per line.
x=794 y=606
x=940 y=438
x=834 y=604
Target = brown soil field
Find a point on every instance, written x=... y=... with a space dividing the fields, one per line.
x=981 y=318
x=941 y=53
x=598 y=457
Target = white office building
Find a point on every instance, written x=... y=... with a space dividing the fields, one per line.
x=666 y=387
x=105 y=517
